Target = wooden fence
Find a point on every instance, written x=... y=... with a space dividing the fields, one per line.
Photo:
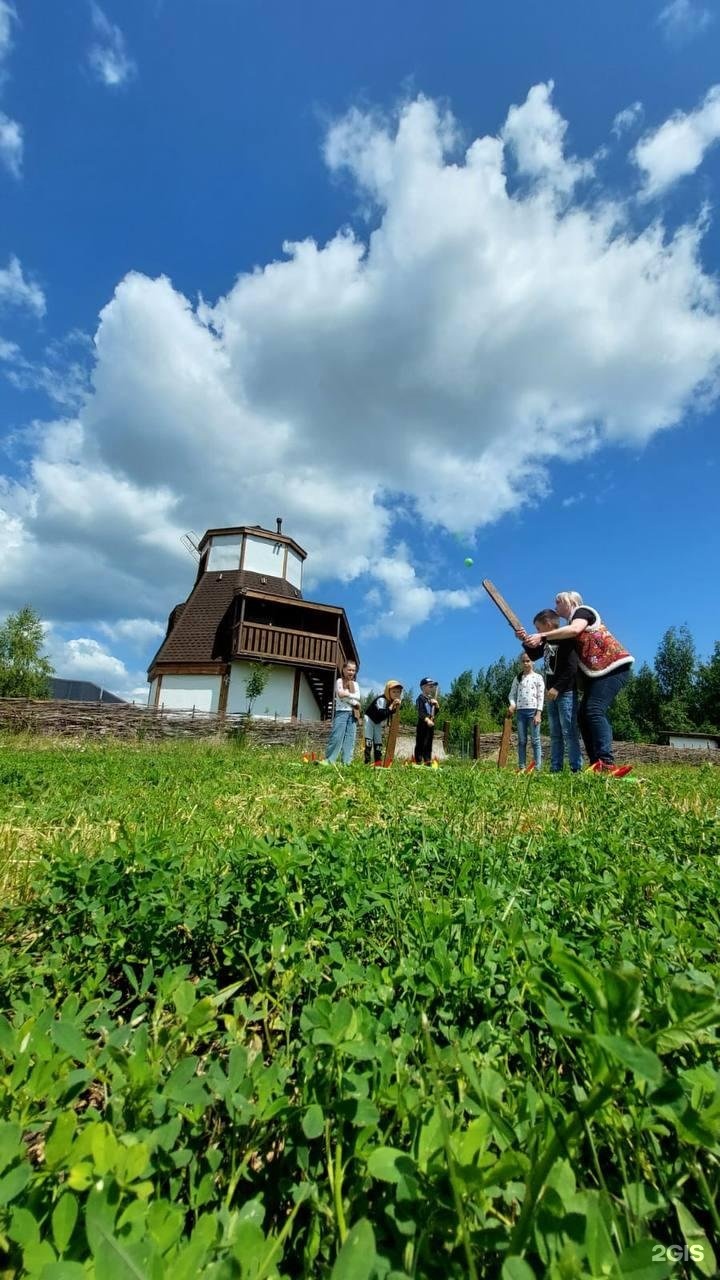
x=59 y=718
x=126 y=721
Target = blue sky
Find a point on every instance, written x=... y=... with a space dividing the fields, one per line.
x=497 y=335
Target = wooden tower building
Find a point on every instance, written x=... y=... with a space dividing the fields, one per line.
x=247 y=606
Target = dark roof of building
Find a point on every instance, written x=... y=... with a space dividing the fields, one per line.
x=248 y=580
x=200 y=630
x=80 y=691
x=195 y=632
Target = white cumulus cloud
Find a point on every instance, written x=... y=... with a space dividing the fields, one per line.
x=7 y=18
x=486 y=322
x=141 y=633
x=108 y=55
x=627 y=118
x=18 y=291
x=9 y=351
x=402 y=601
x=11 y=133
x=83 y=658
x=535 y=132
x=680 y=20
x=678 y=146
x=62 y=373
x=11 y=144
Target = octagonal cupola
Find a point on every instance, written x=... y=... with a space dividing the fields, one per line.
x=264 y=559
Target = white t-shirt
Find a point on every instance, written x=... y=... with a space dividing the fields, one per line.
x=347 y=696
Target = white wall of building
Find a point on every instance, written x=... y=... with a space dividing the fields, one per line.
x=308 y=708
x=224 y=552
x=693 y=744
x=263 y=556
x=181 y=693
x=277 y=696
x=294 y=569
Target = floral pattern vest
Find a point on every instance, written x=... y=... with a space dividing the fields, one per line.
x=597 y=649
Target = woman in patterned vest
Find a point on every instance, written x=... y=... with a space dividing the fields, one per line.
x=605 y=665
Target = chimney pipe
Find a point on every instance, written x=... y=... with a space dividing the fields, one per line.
x=278 y=520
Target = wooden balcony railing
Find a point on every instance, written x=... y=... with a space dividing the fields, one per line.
x=258 y=640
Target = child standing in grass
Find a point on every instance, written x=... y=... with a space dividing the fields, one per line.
x=527 y=694
x=347 y=710
x=377 y=715
x=426 y=705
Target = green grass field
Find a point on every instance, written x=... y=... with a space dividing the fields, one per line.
x=260 y=1019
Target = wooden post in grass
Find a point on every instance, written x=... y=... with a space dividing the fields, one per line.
x=391 y=740
x=505 y=741
x=476 y=742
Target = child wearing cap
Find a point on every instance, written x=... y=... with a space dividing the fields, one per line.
x=427 y=705
x=378 y=714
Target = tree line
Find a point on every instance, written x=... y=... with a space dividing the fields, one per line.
x=679 y=693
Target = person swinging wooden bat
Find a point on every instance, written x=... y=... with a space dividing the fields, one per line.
x=602 y=659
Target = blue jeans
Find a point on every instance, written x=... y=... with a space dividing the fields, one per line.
x=600 y=693
x=342 y=738
x=562 y=717
x=525 y=723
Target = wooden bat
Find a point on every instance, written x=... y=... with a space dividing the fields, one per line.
x=502 y=605
x=391 y=741
x=505 y=741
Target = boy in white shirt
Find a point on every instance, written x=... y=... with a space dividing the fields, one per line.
x=527 y=695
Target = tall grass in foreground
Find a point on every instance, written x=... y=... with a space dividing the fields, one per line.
x=259 y=1019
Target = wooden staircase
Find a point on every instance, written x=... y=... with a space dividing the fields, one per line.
x=319 y=685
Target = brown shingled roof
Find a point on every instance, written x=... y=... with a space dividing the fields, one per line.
x=251 y=581
x=200 y=630
x=203 y=631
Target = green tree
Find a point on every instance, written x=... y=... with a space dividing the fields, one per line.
x=483 y=714
x=643 y=696
x=256 y=683
x=676 y=664
x=25 y=670
x=467 y=704
x=620 y=715
x=496 y=686
x=461 y=698
x=408 y=710
x=708 y=692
